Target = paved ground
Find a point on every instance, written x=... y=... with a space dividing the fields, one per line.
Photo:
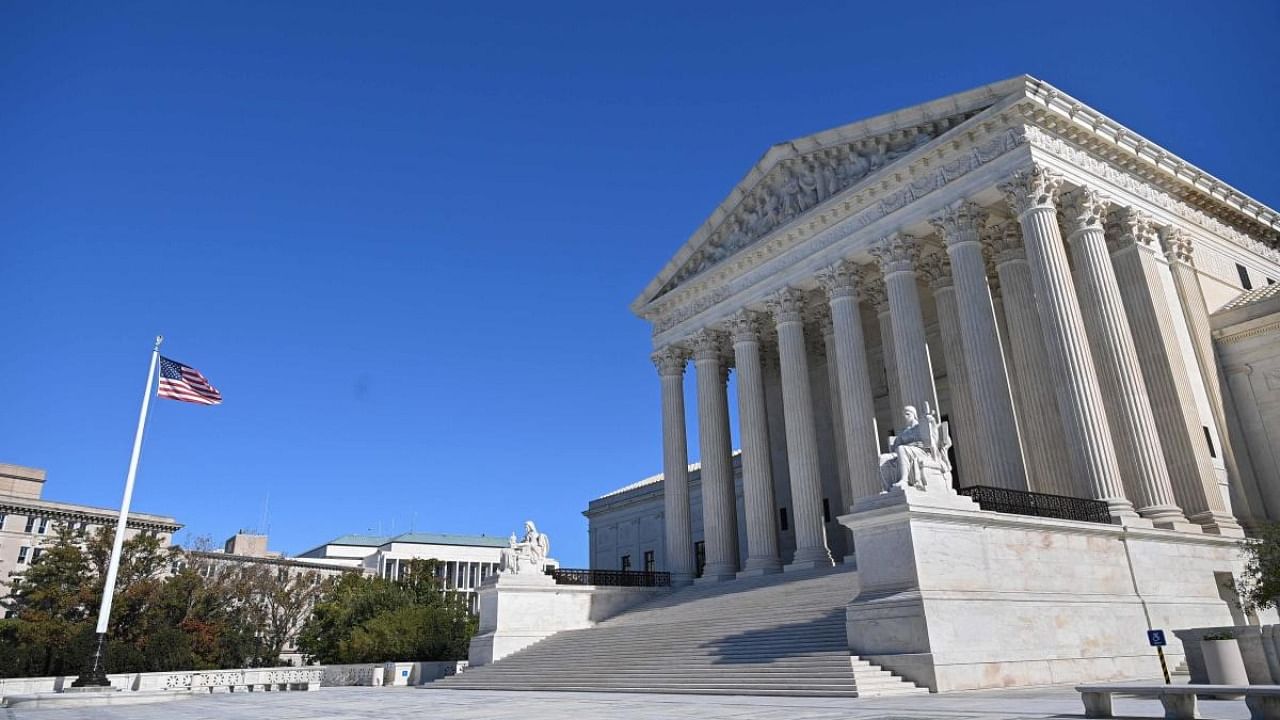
x=387 y=703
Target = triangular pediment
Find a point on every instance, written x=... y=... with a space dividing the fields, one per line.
x=795 y=176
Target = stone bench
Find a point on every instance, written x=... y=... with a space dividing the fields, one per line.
x=1180 y=700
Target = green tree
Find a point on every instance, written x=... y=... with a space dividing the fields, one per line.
x=373 y=619
x=1259 y=585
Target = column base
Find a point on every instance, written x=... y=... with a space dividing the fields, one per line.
x=1122 y=513
x=715 y=573
x=1168 y=517
x=756 y=567
x=809 y=559
x=1218 y=523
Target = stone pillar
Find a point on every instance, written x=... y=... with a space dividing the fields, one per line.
x=827 y=325
x=1138 y=266
x=1031 y=195
x=753 y=427
x=997 y=431
x=1180 y=252
x=802 y=442
x=897 y=255
x=1124 y=393
x=858 y=413
x=873 y=290
x=670 y=362
x=935 y=268
x=719 y=502
x=1048 y=466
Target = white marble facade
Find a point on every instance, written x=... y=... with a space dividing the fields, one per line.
x=1039 y=274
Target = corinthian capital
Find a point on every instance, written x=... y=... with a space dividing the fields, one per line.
x=708 y=344
x=1178 y=247
x=960 y=222
x=744 y=326
x=786 y=305
x=935 y=269
x=873 y=290
x=1083 y=209
x=670 y=360
x=1004 y=242
x=897 y=253
x=1032 y=188
x=840 y=280
x=1128 y=226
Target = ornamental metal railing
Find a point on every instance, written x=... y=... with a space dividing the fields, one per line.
x=1021 y=502
x=614 y=578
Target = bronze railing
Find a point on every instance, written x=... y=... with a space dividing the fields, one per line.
x=615 y=578
x=1021 y=502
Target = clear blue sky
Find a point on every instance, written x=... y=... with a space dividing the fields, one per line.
x=402 y=239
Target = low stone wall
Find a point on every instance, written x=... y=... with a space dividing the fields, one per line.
x=191 y=681
x=391 y=673
x=1259 y=648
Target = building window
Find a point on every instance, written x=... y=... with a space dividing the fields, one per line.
x=8 y=614
x=2 y=517
x=1208 y=439
x=31 y=524
x=782 y=519
x=626 y=563
x=36 y=553
x=699 y=558
x=1245 y=282
x=649 y=565
x=43 y=527
x=22 y=554
x=826 y=510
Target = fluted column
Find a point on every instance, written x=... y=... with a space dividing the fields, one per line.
x=984 y=358
x=719 y=502
x=1031 y=195
x=858 y=414
x=935 y=268
x=1180 y=252
x=753 y=427
x=827 y=325
x=802 y=441
x=1138 y=265
x=897 y=255
x=873 y=290
x=670 y=362
x=1038 y=419
x=1124 y=393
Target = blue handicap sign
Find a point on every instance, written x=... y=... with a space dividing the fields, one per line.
x=1156 y=638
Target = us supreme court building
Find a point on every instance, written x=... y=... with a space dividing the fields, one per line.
x=1038 y=277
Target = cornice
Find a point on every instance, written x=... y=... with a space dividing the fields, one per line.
x=97 y=518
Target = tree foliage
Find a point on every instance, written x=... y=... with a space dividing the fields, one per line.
x=1259 y=585
x=373 y=619
x=170 y=611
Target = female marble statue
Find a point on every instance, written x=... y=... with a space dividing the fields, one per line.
x=913 y=454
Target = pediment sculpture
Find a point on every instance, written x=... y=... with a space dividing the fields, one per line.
x=917 y=457
x=526 y=556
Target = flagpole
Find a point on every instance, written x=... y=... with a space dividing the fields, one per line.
x=96 y=676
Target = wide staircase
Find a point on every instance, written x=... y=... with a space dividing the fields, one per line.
x=776 y=635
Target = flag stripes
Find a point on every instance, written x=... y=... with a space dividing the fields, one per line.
x=181 y=382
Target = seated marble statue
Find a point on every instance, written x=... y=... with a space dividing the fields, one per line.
x=528 y=555
x=918 y=455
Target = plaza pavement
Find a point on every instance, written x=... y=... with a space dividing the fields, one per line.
x=354 y=703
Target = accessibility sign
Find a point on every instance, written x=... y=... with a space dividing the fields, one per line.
x=1156 y=638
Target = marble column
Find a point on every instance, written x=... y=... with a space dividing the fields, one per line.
x=1124 y=392
x=719 y=501
x=1038 y=419
x=1138 y=266
x=753 y=427
x=858 y=412
x=1031 y=194
x=897 y=255
x=935 y=269
x=802 y=442
x=984 y=357
x=873 y=290
x=827 y=326
x=1180 y=252
x=671 y=362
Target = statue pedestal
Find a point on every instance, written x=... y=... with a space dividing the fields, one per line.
x=519 y=609
x=953 y=597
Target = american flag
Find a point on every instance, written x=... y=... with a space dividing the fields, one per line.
x=180 y=382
